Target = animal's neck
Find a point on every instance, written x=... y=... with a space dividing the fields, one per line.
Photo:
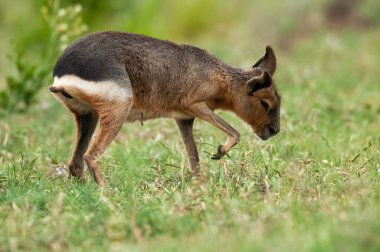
x=237 y=76
x=234 y=80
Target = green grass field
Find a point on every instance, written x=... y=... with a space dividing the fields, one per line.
x=314 y=187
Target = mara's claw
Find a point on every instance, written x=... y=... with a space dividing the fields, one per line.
x=219 y=154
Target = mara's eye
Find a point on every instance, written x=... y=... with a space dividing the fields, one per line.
x=264 y=104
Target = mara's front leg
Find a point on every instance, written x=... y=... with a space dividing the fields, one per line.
x=185 y=126
x=202 y=111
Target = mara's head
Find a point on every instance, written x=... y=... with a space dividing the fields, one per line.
x=261 y=106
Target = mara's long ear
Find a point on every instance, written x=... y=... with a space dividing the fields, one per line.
x=267 y=62
x=258 y=82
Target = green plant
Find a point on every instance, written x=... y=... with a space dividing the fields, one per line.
x=65 y=24
x=22 y=87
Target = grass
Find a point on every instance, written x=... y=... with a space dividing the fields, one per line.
x=314 y=187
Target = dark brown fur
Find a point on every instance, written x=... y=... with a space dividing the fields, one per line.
x=167 y=79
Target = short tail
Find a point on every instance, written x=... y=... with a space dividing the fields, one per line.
x=55 y=90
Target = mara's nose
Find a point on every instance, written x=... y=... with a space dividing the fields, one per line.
x=273 y=130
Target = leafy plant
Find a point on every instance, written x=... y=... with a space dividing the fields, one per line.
x=65 y=24
x=21 y=88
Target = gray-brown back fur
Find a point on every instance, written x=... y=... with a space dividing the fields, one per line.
x=154 y=67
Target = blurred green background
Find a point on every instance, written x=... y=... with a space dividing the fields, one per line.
x=314 y=187
x=33 y=33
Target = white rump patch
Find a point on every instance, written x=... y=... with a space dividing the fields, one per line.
x=106 y=89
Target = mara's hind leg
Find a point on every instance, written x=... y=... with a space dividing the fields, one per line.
x=109 y=101
x=85 y=126
x=86 y=120
x=112 y=115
